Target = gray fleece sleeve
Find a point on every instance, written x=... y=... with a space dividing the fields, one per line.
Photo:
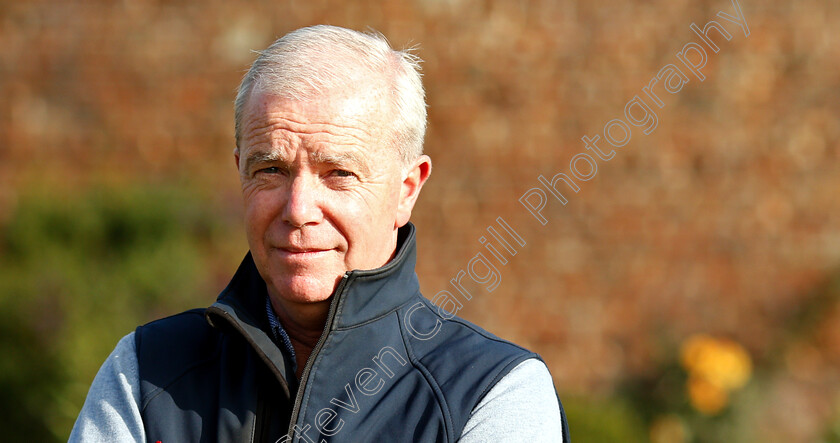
x=521 y=407
x=111 y=412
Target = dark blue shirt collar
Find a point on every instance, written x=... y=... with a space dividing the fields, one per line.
x=281 y=338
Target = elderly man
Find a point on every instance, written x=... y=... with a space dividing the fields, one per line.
x=322 y=334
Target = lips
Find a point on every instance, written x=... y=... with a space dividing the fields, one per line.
x=301 y=253
x=295 y=250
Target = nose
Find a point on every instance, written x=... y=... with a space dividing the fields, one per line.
x=302 y=203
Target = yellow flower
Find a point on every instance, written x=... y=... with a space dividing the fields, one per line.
x=715 y=367
x=705 y=396
x=722 y=362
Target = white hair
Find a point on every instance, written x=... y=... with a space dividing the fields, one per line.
x=312 y=61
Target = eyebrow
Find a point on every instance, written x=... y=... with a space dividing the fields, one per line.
x=335 y=159
x=258 y=157
x=339 y=159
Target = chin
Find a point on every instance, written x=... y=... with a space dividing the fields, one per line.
x=305 y=289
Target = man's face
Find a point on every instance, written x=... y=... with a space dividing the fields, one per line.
x=324 y=191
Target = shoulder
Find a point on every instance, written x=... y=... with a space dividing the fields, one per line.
x=461 y=361
x=436 y=337
x=528 y=384
x=523 y=403
x=111 y=411
x=187 y=320
x=179 y=337
x=168 y=348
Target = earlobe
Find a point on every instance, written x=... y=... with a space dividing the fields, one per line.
x=410 y=188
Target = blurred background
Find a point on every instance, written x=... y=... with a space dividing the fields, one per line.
x=690 y=292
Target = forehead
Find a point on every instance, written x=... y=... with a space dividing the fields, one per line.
x=353 y=113
x=362 y=106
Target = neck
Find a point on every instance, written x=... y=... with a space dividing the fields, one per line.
x=304 y=323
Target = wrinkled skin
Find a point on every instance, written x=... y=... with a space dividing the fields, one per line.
x=324 y=191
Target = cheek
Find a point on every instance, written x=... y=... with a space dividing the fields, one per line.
x=260 y=209
x=387 y=207
x=374 y=218
x=369 y=215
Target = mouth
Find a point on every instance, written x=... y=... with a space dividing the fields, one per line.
x=301 y=252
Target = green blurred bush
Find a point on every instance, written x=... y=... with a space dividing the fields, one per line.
x=78 y=273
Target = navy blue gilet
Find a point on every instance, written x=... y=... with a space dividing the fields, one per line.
x=388 y=366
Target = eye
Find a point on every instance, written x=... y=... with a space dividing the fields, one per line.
x=269 y=170
x=343 y=173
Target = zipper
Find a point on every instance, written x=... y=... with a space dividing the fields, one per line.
x=304 y=376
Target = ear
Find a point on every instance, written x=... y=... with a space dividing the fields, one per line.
x=236 y=157
x=416 y=175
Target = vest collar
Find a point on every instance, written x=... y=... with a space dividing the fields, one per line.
x=361 y=295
